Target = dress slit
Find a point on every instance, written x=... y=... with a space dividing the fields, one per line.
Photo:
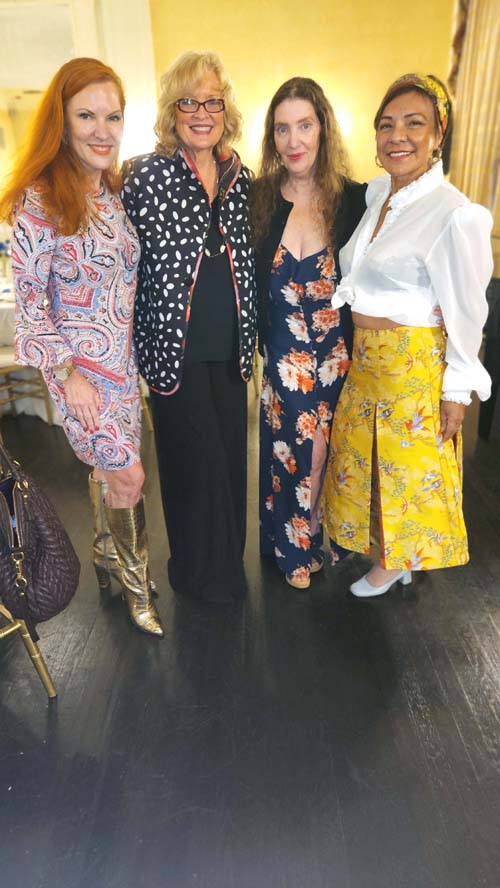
x=419 y=484
x=305 y=365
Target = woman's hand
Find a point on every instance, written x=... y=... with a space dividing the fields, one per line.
x=82 y=400
x=452 y=417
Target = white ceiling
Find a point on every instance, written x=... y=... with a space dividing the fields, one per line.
x=36 y=38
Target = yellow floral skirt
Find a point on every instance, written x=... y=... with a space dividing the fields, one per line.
x=386 y=446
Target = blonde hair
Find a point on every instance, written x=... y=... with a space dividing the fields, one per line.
x=184 y=76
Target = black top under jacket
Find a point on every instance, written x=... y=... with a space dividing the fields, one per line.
x=213 y=321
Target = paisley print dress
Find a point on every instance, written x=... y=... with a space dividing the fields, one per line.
x=75 y=301
x=305 y=364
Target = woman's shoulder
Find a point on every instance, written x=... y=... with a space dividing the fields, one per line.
x=354 y=190
x=353 y=199
x=146 y=165
x=456 y=199
x=377 y=188
x=257 y=190
x=31 y=203
x=351 y=208
x=234 y=173
x=460 y=212
x=451 y=207
x=265 y=191
x=33 y=196
x=109 y=198
x=247 y=175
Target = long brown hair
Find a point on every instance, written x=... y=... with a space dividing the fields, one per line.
x=49 y=161
x=332 y=166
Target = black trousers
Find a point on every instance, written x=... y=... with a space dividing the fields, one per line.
x=201 y=444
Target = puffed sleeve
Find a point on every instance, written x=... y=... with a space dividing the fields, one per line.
x=460 y=265
x=38 y=342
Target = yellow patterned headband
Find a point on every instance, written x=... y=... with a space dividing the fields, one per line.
x=434 y=90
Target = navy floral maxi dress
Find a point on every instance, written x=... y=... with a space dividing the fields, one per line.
x=305 y=364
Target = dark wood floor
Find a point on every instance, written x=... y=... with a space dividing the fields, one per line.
x=301 y=740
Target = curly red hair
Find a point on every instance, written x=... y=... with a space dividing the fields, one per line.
x=48 y=160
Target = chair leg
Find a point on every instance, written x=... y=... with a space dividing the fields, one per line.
x=47 y=401
x=38 y=661
x=11 y=394
x=255 y=373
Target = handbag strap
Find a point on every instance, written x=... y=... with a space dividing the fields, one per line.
x=6 y=460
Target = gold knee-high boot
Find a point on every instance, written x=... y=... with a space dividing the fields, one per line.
x=106 y=563
x=128 y=529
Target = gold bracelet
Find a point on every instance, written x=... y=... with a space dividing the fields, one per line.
x=64 y=372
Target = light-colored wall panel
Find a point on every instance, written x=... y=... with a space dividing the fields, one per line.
x=7 y=140
x=353 y=49
x=126 y=45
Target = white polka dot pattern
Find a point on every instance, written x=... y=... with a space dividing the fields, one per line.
x=169 y=207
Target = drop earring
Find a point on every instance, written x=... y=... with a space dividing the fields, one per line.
x=377 y=163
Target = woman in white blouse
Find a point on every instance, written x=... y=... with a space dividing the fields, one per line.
x=415 y=273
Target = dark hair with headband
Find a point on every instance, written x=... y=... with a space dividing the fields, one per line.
x=436 y=91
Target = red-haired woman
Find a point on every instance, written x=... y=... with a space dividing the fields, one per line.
x=75 y=257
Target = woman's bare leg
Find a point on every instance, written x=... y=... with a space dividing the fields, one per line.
x=124 y=486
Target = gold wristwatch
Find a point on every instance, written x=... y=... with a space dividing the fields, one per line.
x=64 y=373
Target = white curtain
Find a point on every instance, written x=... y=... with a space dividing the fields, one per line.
x=475 y=159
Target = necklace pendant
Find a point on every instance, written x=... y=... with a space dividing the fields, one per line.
x=219 y=252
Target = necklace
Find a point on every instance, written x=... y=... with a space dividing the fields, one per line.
x=212 y=254
x=215 y=241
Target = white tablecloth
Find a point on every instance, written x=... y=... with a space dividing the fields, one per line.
x=32 y=406
x=6 y=312
x=6 y=323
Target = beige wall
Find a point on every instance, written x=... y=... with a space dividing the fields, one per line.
x=21 y=121
x=354 y=49
x=9 y=140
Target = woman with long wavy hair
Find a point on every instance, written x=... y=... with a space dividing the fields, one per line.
x=304 y=207
x=75 y=257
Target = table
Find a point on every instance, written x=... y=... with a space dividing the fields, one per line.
x=6 y=313
x=31 y=406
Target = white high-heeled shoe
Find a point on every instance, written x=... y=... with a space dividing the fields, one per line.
x=363 y=588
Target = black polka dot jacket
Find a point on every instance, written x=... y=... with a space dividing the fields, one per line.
x=169 y=207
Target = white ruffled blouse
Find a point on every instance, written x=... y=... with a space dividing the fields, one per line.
x=429 y=265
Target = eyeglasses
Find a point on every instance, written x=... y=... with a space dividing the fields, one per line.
x=190 y=106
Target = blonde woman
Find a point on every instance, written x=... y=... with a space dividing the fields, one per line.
x=195 y=321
